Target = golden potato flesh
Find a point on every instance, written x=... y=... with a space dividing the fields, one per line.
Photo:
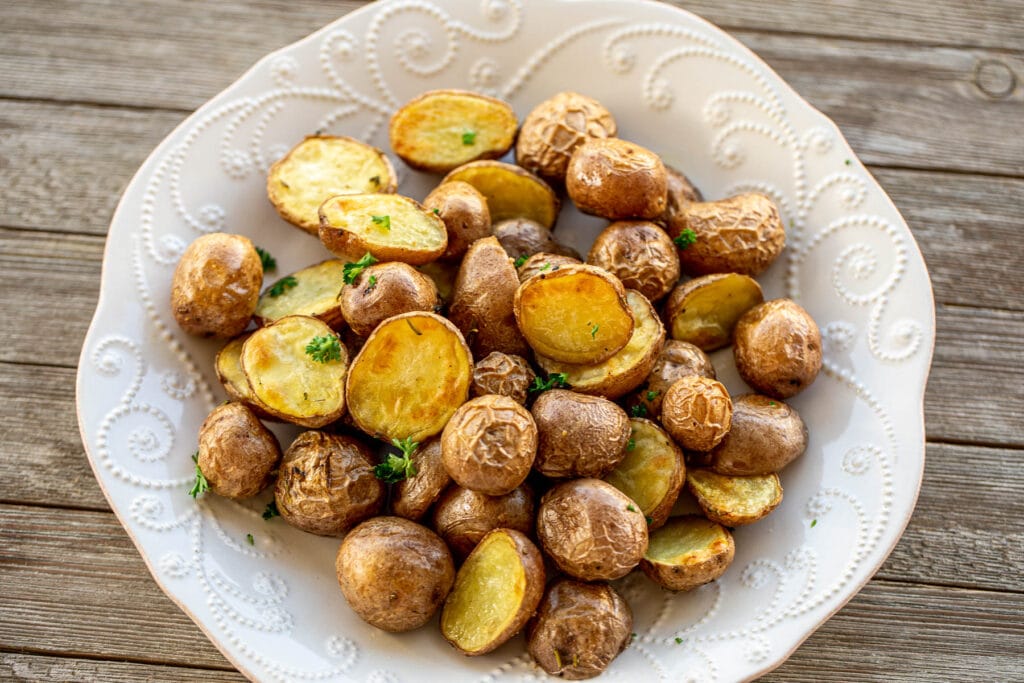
x=504 y=374
x=765 y=436
x=640 y=254
x=677 y=359
x=216 y=285
x=323 y=166
x=523 y=237
x=555 y=128
x=704 y=310
x=463 y=517
x=697 y=412
x=228 y=365
x=409 y=378
x=688 y=552
x=442 y=129
x=576 y=314
x=778 y=348
x=388 y=226
x=578 y=435
x=543 y=262
x=311 y=291
x=734 y=501
x=464 y=212
x=413 y=496
x=384 y=290
x=511 y=192
x=237 y=454
x=742 y=234
x=617 y=179
x=496 y=591
x=652 y=472
x=443 y=273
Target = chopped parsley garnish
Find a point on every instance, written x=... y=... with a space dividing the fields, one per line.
x=521 y=260
x=373 y=283
x=556 y=380
x=268 y=261
x=250 y=540
x=648 y=519
x=679 y=641
x=201 y=485
x=546 y=266
x=351 y=271
x=437 y=212
x=639 y=410
x=814 y=523
x=468 y=138
x=394 y=468
x=652 y=394
x=685 y=238
x=631 y=444
x=324 y=349
x=383 y=221
x=593 y=331
x=848 y=162
x=271 y=510
x=771 y=403
x=282 y=285
x=631 y=508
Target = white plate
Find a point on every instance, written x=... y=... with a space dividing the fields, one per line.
x=676 y=84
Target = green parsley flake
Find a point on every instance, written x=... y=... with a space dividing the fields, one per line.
x=324 y=349
x=685 y=238
x=639 y=410
x=250 y=540
x=394 y=468
x=468 y=138
x=383 y=221
x=271 y=511
x=282 y=285
x=631 y=508
x=556 y=380
x=593 y=331
x=200 y=486
x=631 y=444
x=814 y=523
x=521 y=260
x=651 y=395
x=350 y=271
x=268 y=262
x=679 y=641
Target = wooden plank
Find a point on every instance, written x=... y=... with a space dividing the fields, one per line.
x=45 y=669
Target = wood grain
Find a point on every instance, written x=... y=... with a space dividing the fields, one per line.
x=47 y=669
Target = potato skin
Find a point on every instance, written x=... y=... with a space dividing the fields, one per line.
x=543 y=262
x=734 y=501
x=464 y=212
x=394 y=573
x=700 y=568
x=525 y=237
x=697 y=412
x=704 y=311
x=462 y=517
x=765 y=436
x=681 y=193
x=578 y=435
x=742 y=234
x=586 y=624
x=555 y=128
x=591 y=530
x=640 y=254
x=777 y=347
x=237 y=454
x=412 y=497
x=228 y=366
x=503 y=374
x=396 y=288
x=617 y=179
x=216 y=285
x=326 y=484
x=677 y=359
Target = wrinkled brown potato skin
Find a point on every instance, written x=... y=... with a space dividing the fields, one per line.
x=578 y=435
x=543 y=262
x=464 y=212
x=640 y=254
x=587 y=528
x=617 y=179
x=489 y=445
x=741 y=234
x=524 y=237
x=326 y=484
x=681 y=193
x=503 y=374
x=394 y=573
x=216 y=285
x=587 y=624
x=777 y=347
x=398 y=288
x=237 y=454
x=765 y=436
x=697 y=412
x=677 y=359
x=463 y=517
x=555 y=128
x=412 y=497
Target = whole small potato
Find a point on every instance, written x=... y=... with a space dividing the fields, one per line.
x=555 y=128
x=742 y=234
x=579 y=629
x=640 y=254
x=578 y=435
x=462 y=517
x=394 y=573
x=503 y=374
x=681 y=193
x=591 y=530
x=237 y=454
x=777 y=347
x=464 y=212
x=216 y=285
x=765 y=436
x=543 y=262
x=413 y=496
x=697 y=412
x=489 y=444
x=384 y=290
x=677 y=359
x=524 y=237
x=326 y=484
x=616 y=179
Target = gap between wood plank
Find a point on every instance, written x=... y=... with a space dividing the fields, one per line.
x=734 y=30
x=97 y=104
x=64 y=654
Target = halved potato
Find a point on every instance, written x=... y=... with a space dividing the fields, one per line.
x=628 y=368
x=228 y=366
x=688 y=552
x=389 y=226
x=512 y=192
x=576 y=314
x=734 y=501
x=704 y=310
x=280 y=363
x=311 y=291
x=322 y=166
x=652 y=473
x=442 y=129
x=496 y=591
x=409 y=378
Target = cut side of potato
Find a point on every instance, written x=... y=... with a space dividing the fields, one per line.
x=511 y=192
x=734 y=501
x=688 y=552
x=284 y=376
x=628 y=368
x=389 y=226
x=652 y=473
x=311 y=291
x=228 y=366
x=704 y=311
x=409 y=378
x=322 y=166
x=574 y=314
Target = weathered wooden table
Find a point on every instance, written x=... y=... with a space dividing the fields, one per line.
x=929 y=93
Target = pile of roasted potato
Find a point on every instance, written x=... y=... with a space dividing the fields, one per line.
x=488 y=410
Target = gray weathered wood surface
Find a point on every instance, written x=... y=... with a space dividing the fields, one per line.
x=930 y=94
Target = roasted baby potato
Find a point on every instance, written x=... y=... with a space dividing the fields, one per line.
x=411 y=375
x=777 y=348
x=503 y=374
x=628 y=368
x=443 y=273
x=464 y=212
x=652 y=472
x=325 y=484
x=216 y=285
x=697 y=412
x=462 y=517
x=237 y=454
x=296 y=370
x=553 y=130
x=511 y=191
x=323 y=166
x=489 y=445
x=765 y=436
x=579 y=629
x=681 y=193
x=640 y=254
x=734 y=501
x=496 y=591
x=394 y=573
x=388 y=226
x=617 y=179
x=543 y=262
x=384 y=290
x=688 y=552
x=524 y=237
x=442 y=129
x=676 y=360
x=311 y=291
x=228 y=365
x=482 y=301
x=576 y=314
x=742 y=234
x=704 y=310
x=578 y=435
x=591 y=530
x=413 y=496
